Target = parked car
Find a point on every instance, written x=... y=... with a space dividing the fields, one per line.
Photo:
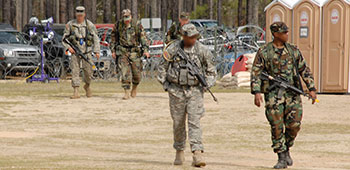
x=201 y=23
x=16 y=55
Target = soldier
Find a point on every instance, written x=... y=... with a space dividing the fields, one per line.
x=82 y=33
x=279 y=58
x=185 y=92
x=174 y=30
x=127 y=37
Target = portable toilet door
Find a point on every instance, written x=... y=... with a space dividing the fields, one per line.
x=306 y=33
x=279 y=10
x=335 y=47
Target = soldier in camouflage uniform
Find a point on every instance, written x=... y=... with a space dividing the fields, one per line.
x=279 y=58
x=127 y=37
x=185 y=92
x=82 y=33
x=174 y=32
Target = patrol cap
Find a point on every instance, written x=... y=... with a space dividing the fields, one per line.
x=126 y=13
x=80 y=10
x=278 y=27
x=189 y=30
x=185 y=15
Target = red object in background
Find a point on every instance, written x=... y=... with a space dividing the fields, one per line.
x=103 y=38
x=239 y=65
x=104 y=25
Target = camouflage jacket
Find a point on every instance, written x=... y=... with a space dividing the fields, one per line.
x=174 y=32
x=270 y=59
x=85 y=31
x=170 y=70
x=132 y=36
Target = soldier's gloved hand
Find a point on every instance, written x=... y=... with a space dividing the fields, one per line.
x=313 y=96
x=97 y=55
x=258 y=99
x=146 y=54
x=71 y=50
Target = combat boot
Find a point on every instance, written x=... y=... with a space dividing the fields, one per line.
x=133 y=91
x=75 y=93
x=289 y=159
x=179 y=158
x=282 y=163
x=126 y=95
x=198 y=160
x=88 y=90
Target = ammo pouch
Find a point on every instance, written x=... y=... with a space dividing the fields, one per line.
x=265 y=84
x=180 y=75
x=89 y=40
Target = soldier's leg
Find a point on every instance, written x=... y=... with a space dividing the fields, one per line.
x=177 y=103
x=75 y=66
x=274 y=111
x=293 y=116
x=87 y=71
x=195 y=111
x=136 y=69
x=125 y=71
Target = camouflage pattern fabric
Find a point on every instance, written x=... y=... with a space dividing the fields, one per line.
x=279 y=27
x=90 y=43
x=186 y=99
x=286 y=112
x=174 y=33
x=125 y=43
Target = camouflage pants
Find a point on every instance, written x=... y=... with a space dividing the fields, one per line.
x=131 y=68
x=87 y=70
x=186 y=102
x=284 y=116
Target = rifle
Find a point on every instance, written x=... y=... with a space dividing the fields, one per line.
x=82 y=55
x=282 y=84
x=195 y=71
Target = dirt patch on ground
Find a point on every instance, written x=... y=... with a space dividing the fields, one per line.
x=45 y=129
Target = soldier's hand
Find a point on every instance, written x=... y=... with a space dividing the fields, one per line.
x=71 y=50
x=97 y=55
x=313 y=96
x=146 y=54
x=258 y=99
x=114 y=55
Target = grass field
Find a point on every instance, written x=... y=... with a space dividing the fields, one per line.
x=41 y=128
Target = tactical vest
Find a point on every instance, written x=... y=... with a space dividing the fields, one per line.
x=88 y=38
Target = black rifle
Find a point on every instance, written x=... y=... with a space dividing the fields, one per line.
x=282 y=84
x=82 y=55
x=195 y=71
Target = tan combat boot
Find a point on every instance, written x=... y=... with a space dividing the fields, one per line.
x=133 y=91
x=179 y=158
x=88 y=90
x=75 y=93
x=126 y=95
x=198 y=160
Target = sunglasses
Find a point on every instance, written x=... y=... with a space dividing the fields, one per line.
x=80 y=11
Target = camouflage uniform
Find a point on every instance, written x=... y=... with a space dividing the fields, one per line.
x=87 y=34
x=174 y=32
x=285 y=113
x=185 y=92
x=125 y=43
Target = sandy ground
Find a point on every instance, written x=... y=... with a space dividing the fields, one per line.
x=40 y=128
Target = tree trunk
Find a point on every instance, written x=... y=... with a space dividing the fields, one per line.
x=24 y=12
x=107 y=11
x=30 y=9
x=128 y=4
x=18 y=14
x=153 y=8
x=248 y=11
x=93 y=11
x=194 y=6
x=211 y=9
x=240 y=13
x=48 y=9
x=164 y=15
x=255 y=12
x=63 y=11
x=6 y=11
x=219 y=12
x=87 y=5
x=134 y=9
x=117 y=10
x=71 y=9
x=175 y=10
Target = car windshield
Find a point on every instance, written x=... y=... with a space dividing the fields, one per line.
x=11 y=38
x=209 y=23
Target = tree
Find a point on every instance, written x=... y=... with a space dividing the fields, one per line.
x=128 y=4
x=71 y=9
x=219 y=13
x=164 y=15
x=107 y=11
x=134 y=9
x=63 y=11
x=117 y=10
x=18 y=14
x=211 y=9
x=240 y=12
x=153 y=8
x=6 y=11
x=93 y=10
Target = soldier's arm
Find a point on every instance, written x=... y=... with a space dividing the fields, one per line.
x=210 y=69
x=305 y=72
x=114 y=40
x=143 y=38
x=169 y=34
x=66 y=33
x=96 y=48
x=257 y=68
x=163 y=68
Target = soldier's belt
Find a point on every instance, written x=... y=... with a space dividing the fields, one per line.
x=129 y=48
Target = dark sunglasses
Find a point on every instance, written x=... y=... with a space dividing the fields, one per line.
x=80 y=11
